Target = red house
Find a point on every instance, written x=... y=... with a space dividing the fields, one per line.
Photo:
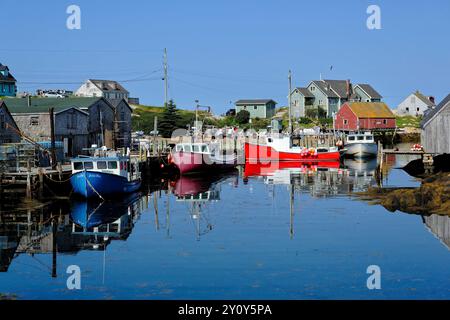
x=354 y=116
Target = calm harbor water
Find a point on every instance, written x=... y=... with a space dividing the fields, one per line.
x=260 y=233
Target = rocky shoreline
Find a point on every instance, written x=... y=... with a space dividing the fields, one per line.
x=432 y=197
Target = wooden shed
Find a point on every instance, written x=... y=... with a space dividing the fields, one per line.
x=7 y=135
x=435 y=135
x=355 y=116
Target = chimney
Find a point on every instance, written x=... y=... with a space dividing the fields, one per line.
x=431 y=98
x=348 y=89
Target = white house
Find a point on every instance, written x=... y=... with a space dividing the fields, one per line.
x=415 y=105
x=108 y=89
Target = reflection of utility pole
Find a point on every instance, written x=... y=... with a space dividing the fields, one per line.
x=168 y=213
x=155 y=205
x=54 y=251
x=291 y=229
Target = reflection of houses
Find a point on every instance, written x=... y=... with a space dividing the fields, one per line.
x=440 y=227
x=325 y=182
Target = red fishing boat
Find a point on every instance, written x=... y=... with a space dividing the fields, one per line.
x=200 y=157
x=282 y=149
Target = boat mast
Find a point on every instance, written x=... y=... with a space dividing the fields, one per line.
x=289 y=101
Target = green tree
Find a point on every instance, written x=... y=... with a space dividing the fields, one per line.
x=170 y=120
x=242 y=117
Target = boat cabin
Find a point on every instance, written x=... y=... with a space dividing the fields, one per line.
x=288 y=144
x=192 y=147
x=121 y=166
x=366 y=137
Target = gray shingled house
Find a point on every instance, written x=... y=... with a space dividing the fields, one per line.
x=435 y=126
x=79 y=122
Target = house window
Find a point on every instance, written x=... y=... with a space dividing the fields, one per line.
x=255 y=107
x=384 y=121
x=122 y=116
x=345 y=121
x=34 y=121
x=418 y=109
x=313 y=88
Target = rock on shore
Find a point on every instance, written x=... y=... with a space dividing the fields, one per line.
x=432 y=197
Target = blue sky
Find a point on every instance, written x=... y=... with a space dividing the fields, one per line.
x=221 y=51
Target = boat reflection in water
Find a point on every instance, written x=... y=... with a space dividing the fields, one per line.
x=100 y=221
x=198 y=193
x=65 y=228
x=321 y=179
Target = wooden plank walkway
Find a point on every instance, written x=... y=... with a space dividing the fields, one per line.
x=406 y=152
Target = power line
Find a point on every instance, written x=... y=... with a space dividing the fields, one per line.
x=138 y=79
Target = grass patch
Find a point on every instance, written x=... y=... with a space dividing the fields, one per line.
x=408 y=121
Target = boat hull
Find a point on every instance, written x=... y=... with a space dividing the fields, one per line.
x=261 y=153
x=361 y=150
x=191 y=162
x=94 y=184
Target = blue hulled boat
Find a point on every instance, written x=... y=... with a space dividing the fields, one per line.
x=103 y=176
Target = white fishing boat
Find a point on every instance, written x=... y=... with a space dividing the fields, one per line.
x=360 y=145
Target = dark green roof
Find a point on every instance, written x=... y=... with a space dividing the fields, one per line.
x=42 y=105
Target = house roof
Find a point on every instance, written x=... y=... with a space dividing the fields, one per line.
x=3 y=104
x=116 y=102
x=254 y=101
x=371 y=109
x=9 y=77
x=324 y=87
x=41 y=105
x=370 y=91
x=338 y=86
x=108 y=85
x=429 y=115
x=424 y=99
x=305 y=92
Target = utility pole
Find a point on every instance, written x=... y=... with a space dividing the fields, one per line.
x=52 y=137
x=166 y=91
x=289 y=102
